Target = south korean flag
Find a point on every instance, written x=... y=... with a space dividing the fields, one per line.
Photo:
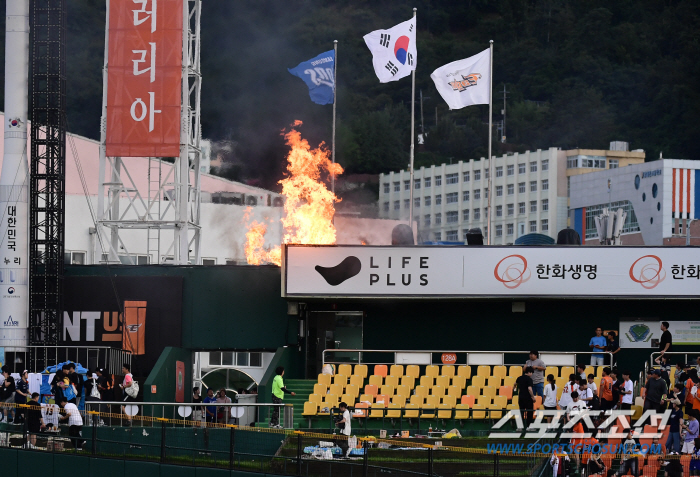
x=393 y=51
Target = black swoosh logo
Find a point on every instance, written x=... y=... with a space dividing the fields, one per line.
x=346 y=269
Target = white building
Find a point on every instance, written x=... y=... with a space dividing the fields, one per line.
x=529 y=196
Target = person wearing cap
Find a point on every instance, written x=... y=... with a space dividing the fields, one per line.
x=655 y=390
x=21 y=395
x=692 y=429
x=34 y=419
x=675 y=421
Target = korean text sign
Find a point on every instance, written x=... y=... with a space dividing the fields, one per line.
x=144 y=94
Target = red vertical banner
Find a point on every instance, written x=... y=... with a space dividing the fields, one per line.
x=144 y=92
x=134 y=328
x=180 y=384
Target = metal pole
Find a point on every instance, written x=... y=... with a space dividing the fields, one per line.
x=299 y=452
x=365 y=460
x=413 y=112
x=335 y=79
x=162 y=442
x=231 y=455
x=488 y=211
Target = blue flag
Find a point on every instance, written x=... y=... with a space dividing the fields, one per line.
x=317 y=73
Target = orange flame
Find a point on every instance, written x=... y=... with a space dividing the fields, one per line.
x=309 y=206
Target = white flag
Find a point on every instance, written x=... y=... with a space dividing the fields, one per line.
x=464 y=82
x=393 y=51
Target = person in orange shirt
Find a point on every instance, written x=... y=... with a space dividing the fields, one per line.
x=606 y=395
x=689 y=399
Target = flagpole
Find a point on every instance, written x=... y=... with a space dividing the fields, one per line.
x=335 y=79
x=413 y=110
x=489 y=232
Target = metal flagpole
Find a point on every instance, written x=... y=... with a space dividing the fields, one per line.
x=488 y=226
x=335 y=79
x=413 y=121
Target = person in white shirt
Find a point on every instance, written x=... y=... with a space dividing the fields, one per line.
x=591 y=384
x=345 y=427
x=75 y=423
x=550 y=396
x=627 y=392
x=569 y=387
x=585 y=394
x=575 y=405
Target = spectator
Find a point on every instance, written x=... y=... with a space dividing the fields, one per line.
x=92 y=395
x=613 y=347
x=538 y=368
x=585 y=394
x=34 y=420
x=223 y=412
x=21 y=395
x=550 y=393
x=598 y=343
x=576 y=405
x=75 y=423
x=629 y=460
x=627 y=391
x=596 y=466
x=345 y=427
x=689 y=398
x=196 y=399
x=655 y=389
x=664 y=363
x=278 y=391
x=7 y=396
x=105 y=385
x=618 y=382
x=691 y=432
x=526 y=395
x=592 y=385
x=581 y=371
x=569 y=388
x=678 y=372
x=77 y=381
x=666 y=341
x=672 y=466
x=697 y=364
x=695 y=460
x=675 y=421
x=210 y=410
x=56 y=388
x=606 y=385
x=127 y=383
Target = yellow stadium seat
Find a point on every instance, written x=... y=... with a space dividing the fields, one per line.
x=345 y=369
x=473 y=391
x=348 y=399
x=388 y=390
x=400 y=400
x=391 y=381
x=438 y=391
x=560 y=382
x=484 y=400
x=484 y=371
x=317 y=398
x=417 y=399
x=513 y=406
x=566 y=371
x=310 y=409
x=597 y=383
x=500 y=371
x=422 y=391
x=506 y=391
x=408 y=381
x=394 y=411
x=449 y=400
x=427 y=411
x=478 y=411
x=396 y=370
x=432 y=401
x=560 y=391
x=509 y=381
x=515 y=371
x=427 y=381
x=363 y=406
x=382 y=398
x=412 y=410
x=366 y=398
x=464 y=371
x=320 y=389
x=495 y=410
x=330 y=400
x=336 y=389
x=461 y=411
x=551 y=370
x=371 y=389
x=447 y=370
x=494 y=381
x=340 y=379
x=324 y=379
x=376 y=380
x=358 y=381
x=488 y=391
x=468 y=400
x=459 y=381
x=599 y=371
x=381 y=370
x=352 y=390
x=413 y=370
x=443 y=381
x=590 y=370
x=403 y=391
x=478 y=381
x=444 y=411
x=454 y=391
x=361 y=370
x=500 y=402
x=432 y=370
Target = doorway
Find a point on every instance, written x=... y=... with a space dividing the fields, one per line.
x=332 y=330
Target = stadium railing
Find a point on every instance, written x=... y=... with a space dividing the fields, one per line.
x=38 y=358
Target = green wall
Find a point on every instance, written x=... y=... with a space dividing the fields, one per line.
x=163 y=376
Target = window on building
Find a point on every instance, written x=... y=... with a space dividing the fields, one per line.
x=452 y=198
x=521 y=168
x=477 y=214
x=499 y=191
x=426 y=182
x=386 y=187
x=438 y=218
x=588 y=162
x=386 y=206
x=438 y=181
x=134 y=259
x=521 y=207
x=545 y=205
x=631 y=224
x=545 y=184
x=416 y=183
x=397 y=187
x=533 y=226
x=477 y=175
x=406 y=185
x=613 y=163
x=499 y=171
x=438 y=236
x=533 y=167
x=544 y=223
x=545 y=164
x=238 y=359
x=452 y=178
x=499 y=211
x=511 y=189
x=533 y=186
x=438 y=199
x=486 y=192
x=426 y=220
x=477 y=194
x=465 y=196
x=416 y=202
x=452 y=235
x=406 y=203
x=465 y=215
x=533 y=206
x=230 y=261
x=427 y=200
x=72 y=257
x=397 y=205
x=521 y=188
x=568 y=186
x=465 y=176
x=510 y=170
x=509 y=229
x=486 y=173
x=452 y=217
x=208 y=261
x=511 y=209
x=499 y=231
